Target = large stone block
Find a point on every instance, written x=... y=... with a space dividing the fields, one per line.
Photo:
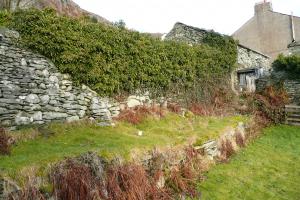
x=33 y=98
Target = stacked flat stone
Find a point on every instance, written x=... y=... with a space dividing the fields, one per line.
x=32 y=91
x=292 y=87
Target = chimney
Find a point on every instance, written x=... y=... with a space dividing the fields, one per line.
x=263 y=7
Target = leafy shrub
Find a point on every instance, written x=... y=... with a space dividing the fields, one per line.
x=290 y=64
x=112 y=60
x=4 y=142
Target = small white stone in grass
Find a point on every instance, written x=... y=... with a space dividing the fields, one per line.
x=140 y=133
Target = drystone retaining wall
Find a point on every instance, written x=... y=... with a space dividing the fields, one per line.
x=293 y=90
x=32 y=91
x=292 y=87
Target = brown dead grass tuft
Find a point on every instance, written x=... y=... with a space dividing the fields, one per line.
x=137 y=114
x=75 y=181
x=131 y=181
x=174 y=107
x=201 y=109
x=5 y=146
x=240 y=140
x=226 y=150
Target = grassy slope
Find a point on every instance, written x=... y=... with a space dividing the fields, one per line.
x=268 y=169
x=74 y=139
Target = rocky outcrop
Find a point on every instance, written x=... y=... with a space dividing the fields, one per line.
x=65 y=7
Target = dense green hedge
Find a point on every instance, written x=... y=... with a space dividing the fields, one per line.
x=112 y=60
x=290 y=64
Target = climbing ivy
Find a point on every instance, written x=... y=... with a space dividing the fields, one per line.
x=112 y=60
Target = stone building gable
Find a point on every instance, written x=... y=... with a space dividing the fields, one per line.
x=269 y=32
x=184 y=33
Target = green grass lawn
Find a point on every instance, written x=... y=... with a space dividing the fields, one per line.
x=73 y=139
x=267 y=169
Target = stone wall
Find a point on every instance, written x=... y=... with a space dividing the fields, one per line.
x=292 y=87
x=32 y=91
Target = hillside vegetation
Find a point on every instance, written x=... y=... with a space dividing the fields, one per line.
x=114 y=60
x=63 y=7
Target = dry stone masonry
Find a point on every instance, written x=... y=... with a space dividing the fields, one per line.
x=32 y=91
x=249 y=60
x=291 y=86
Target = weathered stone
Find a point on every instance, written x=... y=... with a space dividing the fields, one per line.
x=132 y=101
x=38 y=116
x=53 y=79
x=32 y=98
x=54 y=115
x=8 y=188
x=73 y=118
x=45 y=99
x=211 y=148
x=32 y=91
x=23 y=119
x=106 y=124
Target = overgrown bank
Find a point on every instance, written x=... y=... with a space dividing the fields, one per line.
x=115 y=60
x=41 y=146
x=171 y=171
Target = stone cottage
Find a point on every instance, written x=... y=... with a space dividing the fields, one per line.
x=268 y=31
x=252 y=64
